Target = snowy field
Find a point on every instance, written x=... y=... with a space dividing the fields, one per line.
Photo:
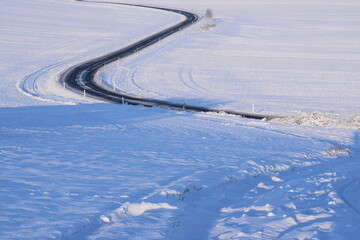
x=114 y=172
x=102 y=171
x=280 y=57
x=41 y=38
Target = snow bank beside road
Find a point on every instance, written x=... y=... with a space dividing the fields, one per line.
x=321 y=119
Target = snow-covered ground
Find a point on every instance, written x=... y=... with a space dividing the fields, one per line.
x=102 y=171
x=279 y=56
x=41 y=38
x=120 y=172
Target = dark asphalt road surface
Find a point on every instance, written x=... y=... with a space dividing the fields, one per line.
x=81 y=77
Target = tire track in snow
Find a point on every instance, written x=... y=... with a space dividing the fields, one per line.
x=185 y=76
x=191 y=78
x=342 y=191
x=184 y=81
x=139 y=88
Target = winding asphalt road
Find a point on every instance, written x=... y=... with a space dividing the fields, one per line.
x=80 y=78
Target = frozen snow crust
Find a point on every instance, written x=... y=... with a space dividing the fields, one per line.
x=102 y=171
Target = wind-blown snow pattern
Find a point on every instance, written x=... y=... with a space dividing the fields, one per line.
x=73 y=171
x=114 y=172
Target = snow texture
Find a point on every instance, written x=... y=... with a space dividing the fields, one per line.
x=275 y=56
x=101 y=171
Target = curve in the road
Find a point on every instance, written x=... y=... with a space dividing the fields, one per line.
x=81 y=77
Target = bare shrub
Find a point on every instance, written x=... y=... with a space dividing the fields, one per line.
x=209 y=13
x=209 y=23
x=338 y=151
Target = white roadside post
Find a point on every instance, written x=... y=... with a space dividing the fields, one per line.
x=84 y=93
x=253 y=108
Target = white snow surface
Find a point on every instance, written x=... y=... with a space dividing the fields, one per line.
x=107 y=171
x=41 y=38
x=277 y=56
x=102 y=171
